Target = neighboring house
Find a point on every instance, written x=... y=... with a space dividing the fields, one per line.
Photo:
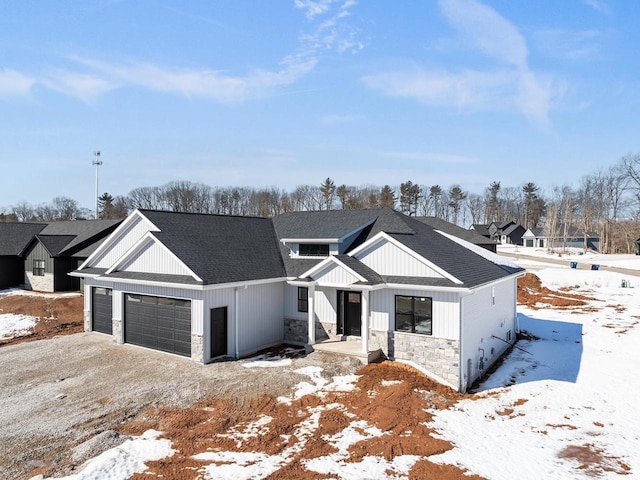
x=638 y=246
x=534 y=238
x=14 y=240
x=471 y=236
x=512 y=235
x=481 y=229
x=58 y=249
x=210 y=286
x=571 y=237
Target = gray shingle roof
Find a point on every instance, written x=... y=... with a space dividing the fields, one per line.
x=16 y=236
x=54 y=243
x=471 y=236
x=370 y=275
x=83 y=231
x=155 y=277
x=470 y=268
x=220 y=248
x=482 y=229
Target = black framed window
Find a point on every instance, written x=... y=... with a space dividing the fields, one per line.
x=38 y=268
x=413 y=314
x=314 y=250
x=303 y=299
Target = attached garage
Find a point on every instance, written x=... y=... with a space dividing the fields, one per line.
x=160 y=323
x=101 y=317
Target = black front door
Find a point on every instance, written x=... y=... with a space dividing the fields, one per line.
x=218 y=332
x=349 y=313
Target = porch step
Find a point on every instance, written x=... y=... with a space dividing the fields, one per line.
x=350 y=349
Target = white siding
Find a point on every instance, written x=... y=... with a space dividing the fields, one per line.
x=291 y=304
x=326 y=304
x=125 y=240
x=389 y=259
x=482 y=319
x=260 y=313
x=223 y=297
x=445 y=311
x=335 y=275
x=154 y=258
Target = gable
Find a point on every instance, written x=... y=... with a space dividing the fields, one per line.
x=120 y=241
x=335 y=274
x=153 y=257
x=387 y=258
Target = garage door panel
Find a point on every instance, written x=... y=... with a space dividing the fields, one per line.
x=160 y=323
x=101 y=310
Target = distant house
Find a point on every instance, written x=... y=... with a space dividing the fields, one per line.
x=471 y=236
x=505 y=232
x=14 y=240
x=638 y=246
x=569 y=237
x=39 y=256
x=211 y=286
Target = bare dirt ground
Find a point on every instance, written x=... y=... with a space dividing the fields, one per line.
x=64 y=390
x=58 y=314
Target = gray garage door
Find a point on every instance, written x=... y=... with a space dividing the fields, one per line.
x=101 y=306
x=158 y=322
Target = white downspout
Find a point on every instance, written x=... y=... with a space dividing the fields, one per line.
x=236 y=319
x=365 y=322
x=311 y=334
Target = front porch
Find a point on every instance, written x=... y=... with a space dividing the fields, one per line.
x=349 y=348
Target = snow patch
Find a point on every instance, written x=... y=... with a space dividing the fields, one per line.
x=16 y=325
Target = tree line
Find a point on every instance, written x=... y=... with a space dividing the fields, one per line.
x=606 y=202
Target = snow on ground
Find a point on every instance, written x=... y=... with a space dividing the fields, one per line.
x=123 y=461
x=320 y=385
x=31 y=293
x=630 y=261
x=16 y=325
x=563 y=405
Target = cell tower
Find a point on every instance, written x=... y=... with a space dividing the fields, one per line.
x=97 y=162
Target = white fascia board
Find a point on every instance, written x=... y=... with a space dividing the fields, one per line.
x=147 y=238
x=247 y=283
x=500 y=280
x=384 y=236
x=326 y=262
x=151 y=283
x=404 y=286
x=309 y=240
x=83 y=275
x=116 y=234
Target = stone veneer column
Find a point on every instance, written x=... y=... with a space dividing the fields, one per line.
x=87 y=320
x=197 y=348
x=118 y=333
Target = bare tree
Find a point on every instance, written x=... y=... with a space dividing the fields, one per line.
x=23 y=211
x=456 y=199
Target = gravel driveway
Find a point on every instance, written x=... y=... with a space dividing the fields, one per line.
x=60 y=392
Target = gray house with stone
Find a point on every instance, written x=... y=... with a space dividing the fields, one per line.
x=58 y=249
x=211 y=286
x=15 y=237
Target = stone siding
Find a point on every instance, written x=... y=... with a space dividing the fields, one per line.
x=118 y=333
x=38 y=283
x=87 y=320
x=437 y=355
x=380 y=340
x=296 y=330
x=197 y=348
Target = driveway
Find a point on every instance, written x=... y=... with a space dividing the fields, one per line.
x=60 y=392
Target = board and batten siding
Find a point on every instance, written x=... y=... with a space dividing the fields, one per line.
x=291 y=303
x=260 y=315
x=389 y=259
x=154 y=258
x=122 y=243
x=445 y=311
x=326 y=304
x=335 y=275
x=38 y=252
x=482 y=318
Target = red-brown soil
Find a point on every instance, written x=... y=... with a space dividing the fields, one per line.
x=57 y=314
x=398 y=409
x=534 y=295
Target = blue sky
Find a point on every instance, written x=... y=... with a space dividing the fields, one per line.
x=289 y=92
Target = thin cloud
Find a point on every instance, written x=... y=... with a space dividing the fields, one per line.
x=510 y=86
x=585 y=45
x=599 y=5
x=84 y=86
x=13 y=83
x=429 y=157
x=313 y=8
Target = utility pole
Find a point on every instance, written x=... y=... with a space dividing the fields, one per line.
x=97 y=162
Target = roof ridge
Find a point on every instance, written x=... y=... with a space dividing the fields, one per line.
x=142 y=210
